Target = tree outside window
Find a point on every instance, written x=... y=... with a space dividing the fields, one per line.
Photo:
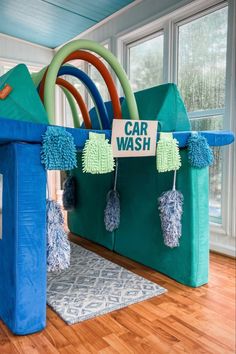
x=201 y=79
x=146 y=63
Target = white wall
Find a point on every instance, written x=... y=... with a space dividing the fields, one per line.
x=17 y=50
x=14 y=51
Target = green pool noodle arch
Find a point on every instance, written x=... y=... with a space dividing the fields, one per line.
x=49 y=92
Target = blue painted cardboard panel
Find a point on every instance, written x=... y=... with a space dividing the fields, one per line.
x=13 y=130
x=23 y=243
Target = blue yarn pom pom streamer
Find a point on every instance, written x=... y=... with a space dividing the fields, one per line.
x=112 y=210
x=58 y=245
x=199 y=152
x=171 y=210
x=69 y=193
x=58 y=149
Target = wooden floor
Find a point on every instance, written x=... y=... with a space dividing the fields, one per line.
x=184 y=320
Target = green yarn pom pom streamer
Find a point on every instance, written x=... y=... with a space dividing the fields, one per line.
x=97 y=157
x=168 y=157
x=58 y=149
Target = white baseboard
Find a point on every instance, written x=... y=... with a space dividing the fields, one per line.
x=224 y=249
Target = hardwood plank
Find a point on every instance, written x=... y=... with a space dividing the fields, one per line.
x=6 y=345
x=25 y=345
x=70 y=334
x=42 y=344
x=89 y=335
x=55 y=336
x=111 y=324
x=69 y=349
x=139 y=345
x=4 y=339
x=108 y=350
x=118 y=344
x=131 y=323
x=54 y=319
x=8 y=348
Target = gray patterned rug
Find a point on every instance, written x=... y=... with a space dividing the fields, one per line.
x=93 y=286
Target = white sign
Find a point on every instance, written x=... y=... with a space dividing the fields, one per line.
x=133 y=138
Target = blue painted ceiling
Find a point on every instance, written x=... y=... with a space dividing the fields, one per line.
x=53 y=22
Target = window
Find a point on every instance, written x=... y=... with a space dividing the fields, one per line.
x=189 y=49
x=98 y=80
x=145 y=62
x=202 y=61
x=202 y=44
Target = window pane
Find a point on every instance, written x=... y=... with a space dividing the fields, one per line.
x=215 y=172
x=146 y=63
x=202 y=61
x=99 y=82
x=80 y=88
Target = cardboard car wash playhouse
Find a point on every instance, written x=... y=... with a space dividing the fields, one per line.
x=137 y=179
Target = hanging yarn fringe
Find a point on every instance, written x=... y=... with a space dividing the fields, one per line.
x=58 y=149
x=171 y=209
x=199 y=152
x=97 y=156
x=167 y=155
x=69 y=193
x=58 y=245
x=112 y=210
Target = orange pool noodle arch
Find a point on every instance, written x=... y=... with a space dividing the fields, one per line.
x=95 y=61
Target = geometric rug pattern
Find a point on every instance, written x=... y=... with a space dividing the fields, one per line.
x=93 y=286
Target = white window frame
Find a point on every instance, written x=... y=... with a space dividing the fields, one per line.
x=168 y=24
